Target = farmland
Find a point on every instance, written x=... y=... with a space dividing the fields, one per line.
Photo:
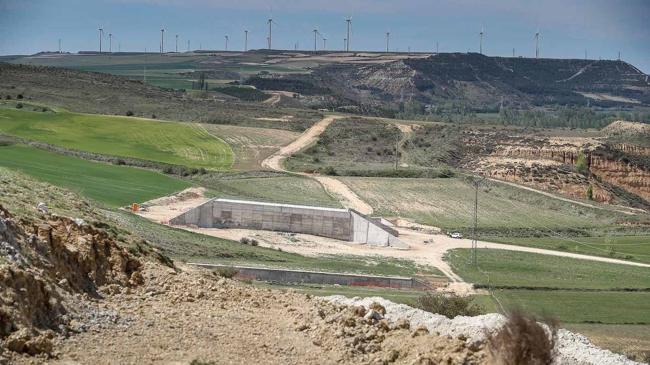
x=167 y=142
x=108 y=184
x=448 y=203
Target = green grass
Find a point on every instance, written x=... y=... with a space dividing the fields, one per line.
x=636 y=248
x=174 y=143
x=510 y=268
x=109 y=184
x=448 y=203
x=581 y=307
x=276 y=189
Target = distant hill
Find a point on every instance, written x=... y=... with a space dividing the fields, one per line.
x=477 y=81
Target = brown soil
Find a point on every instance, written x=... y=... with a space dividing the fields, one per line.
x=71 y=294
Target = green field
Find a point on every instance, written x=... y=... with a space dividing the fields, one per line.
x=636 y=248
x=174 y=143
x=276 y=189
x=448 y=203
x=522 y=269
x=109 y=184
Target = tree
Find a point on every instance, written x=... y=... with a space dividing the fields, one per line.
x=581 y=164
x=590 y=192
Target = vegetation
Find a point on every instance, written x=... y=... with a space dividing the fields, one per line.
x=173 y=143
x=449 y=306
x=226 y=272
x=523 y=341
x=243 y=93
x=112 y=185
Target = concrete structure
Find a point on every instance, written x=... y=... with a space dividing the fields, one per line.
x=286 y=276
x=341 y=224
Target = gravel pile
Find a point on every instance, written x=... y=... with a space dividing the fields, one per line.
x=572 y=348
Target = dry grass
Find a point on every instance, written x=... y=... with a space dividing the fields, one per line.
x=449 y=306
x=523 y=341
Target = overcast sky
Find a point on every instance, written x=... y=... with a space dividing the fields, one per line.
x=567 y=27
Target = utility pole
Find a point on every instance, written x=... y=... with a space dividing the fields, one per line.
x=245 y=40
x=476 y=182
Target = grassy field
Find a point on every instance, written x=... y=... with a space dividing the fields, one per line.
x=251 y=145
x=510 y=268
x=448 y=203
x=109 y=184
x=634 y=247
x=275 y=188
x=168 y=142
x=620 y=338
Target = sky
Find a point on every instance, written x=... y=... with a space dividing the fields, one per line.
x=568 y=28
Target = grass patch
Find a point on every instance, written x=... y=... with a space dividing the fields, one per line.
x=274 y=189
x=109 y=184
x=510 y=268
x=448 y=203
x=631 y=340
x=636 y=248
x=168 y=142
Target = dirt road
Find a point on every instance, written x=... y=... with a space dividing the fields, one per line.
x=332 y=185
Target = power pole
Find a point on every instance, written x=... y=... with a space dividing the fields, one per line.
x=476 y=182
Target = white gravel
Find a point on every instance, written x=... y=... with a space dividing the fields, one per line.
x=571 y=348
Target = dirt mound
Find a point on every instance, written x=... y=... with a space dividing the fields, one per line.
x=621 y=127
x=44 y=267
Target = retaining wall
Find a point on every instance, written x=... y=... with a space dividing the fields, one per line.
x=341 y=224
x=315 y=277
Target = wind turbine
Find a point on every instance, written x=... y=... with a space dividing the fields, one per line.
x=270 y=37
x=110 y=42
x=101 y=35
x=387 y=40
x=226 y=42
x=481 y=42
x=188 y=45
x=245 y=40
x=537 y=44
x=176 y=43
x=324 y=43
x=162 y=40
x=347 y=42
x=315 y=35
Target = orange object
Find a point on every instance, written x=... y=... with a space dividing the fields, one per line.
x=135 y=207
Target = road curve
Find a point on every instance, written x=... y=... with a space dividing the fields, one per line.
x=332 y=185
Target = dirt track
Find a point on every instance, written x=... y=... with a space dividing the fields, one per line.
x=333 y=186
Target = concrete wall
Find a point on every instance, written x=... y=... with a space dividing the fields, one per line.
x=341 y=224
x=314 y=277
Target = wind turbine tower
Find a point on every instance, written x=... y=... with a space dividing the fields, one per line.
x=110 y=42
x=162 y=41
x=387 y=40
x=324 y=43
x=245 y=40
x=537 y=44
x=101 y=35
x=270 y=32
x=347 y=42
x=315 y=35
x=176 y=43
x=480 y=50
x=226 y=43
x=60 y=45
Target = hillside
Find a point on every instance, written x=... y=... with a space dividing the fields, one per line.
x=476 y=81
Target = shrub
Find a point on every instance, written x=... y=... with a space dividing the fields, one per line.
x=226 y=272
x=581 y=163
x=590 y=193
x=153 y=116
x=244 y=240
x=20 y=96
x=8 y=97
x=19 y=106
x=129 y=113
x=449 y=306
x=523 y=341
x=254 y=242
x=329 y=170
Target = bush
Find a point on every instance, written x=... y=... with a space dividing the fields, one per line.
x=449 y=306
x=8 y=97
x=19 y=106
x=226 y=272
x=590 y=193
x=129 y=113
x=20 y=96
x=329 y=170
x=244 y=240
x=523 y=341
x=581 y=164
